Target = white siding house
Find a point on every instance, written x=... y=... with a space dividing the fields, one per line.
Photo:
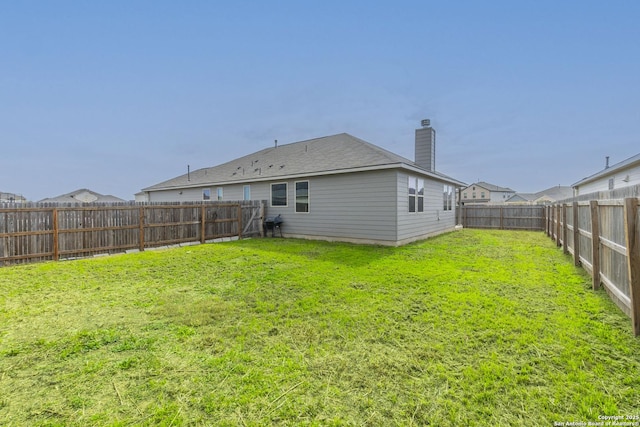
x=483 y=192
x=620 y=175
x=332 y=188
x=11 y=198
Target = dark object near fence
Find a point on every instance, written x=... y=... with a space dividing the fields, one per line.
x=271 y=223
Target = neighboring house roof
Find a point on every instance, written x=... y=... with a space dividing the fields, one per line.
x=522 y=197
x=334 y=154
x=631 y=161
x=550 y=194
x=491 y=187
x=11 y=197
x=559 y=192
x=83 y=196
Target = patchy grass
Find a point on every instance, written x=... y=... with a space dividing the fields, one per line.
x=469 y=328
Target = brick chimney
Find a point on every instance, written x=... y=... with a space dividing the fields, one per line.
x=426 y=146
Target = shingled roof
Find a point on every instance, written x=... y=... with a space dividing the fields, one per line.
x=83 y=195
x=492 y=187
x=339 y=153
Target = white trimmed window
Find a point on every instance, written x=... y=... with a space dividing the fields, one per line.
x=416 y=194
x=447 y=198
x=302 y=196
x=220 y=193
x=420 y=195
x=279 y=194
x=206 y=194
x=246 y=192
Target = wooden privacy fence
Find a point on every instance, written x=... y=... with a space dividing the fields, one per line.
x=39 y=232
x=504 y=217
x=604 y=238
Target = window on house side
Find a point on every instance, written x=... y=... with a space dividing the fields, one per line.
x=447 y=198
x=302 y=196
x=611 y=184
x=206 y=194
x=220 y=193
x=420 y=195
x=279 y=194
x=412 y=193
x=246 y=192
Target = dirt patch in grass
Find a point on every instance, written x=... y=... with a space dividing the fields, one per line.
x=469 y=328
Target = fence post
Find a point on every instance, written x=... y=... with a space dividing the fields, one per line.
x=141 y=222
x=595 y=243
x=565 y=229
x=558 y=225
x=56 y=240
x=459 y=206
x=576 y=235
x=632 y=239
x=501 y=218
x=203 y=218
x=547 y=214
x=261 y=219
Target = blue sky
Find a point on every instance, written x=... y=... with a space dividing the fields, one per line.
x=116 y=96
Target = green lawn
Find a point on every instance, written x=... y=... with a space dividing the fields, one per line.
x=470 y=328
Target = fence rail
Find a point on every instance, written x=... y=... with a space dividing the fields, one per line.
x=31 y=233
x=604 y=238
x=504 y=217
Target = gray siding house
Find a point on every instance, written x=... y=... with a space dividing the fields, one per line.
x=337 y=188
